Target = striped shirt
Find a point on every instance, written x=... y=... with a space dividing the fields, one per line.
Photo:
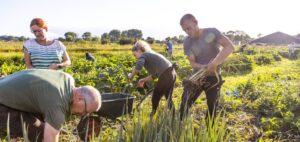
x=42 y=56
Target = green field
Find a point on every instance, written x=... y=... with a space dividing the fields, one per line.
x=260 y=99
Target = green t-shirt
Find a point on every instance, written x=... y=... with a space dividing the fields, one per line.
x=47 y=92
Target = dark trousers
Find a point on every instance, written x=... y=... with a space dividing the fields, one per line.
x=164 y=87
x=191 y=92
x=15 y=124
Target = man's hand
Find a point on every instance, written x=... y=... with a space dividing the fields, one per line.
x=197 y=66
x=141 y=82
x=212 y=67
x=194 y=64
x=50 y=133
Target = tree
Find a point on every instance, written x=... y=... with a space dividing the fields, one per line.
x=168 y=38
x=61 y=39
x=174 y=39
x=158 y=41
x=230 y=34
x=11 y=38
x=22 y=38
x=70 y=36
x=105 y=38
x=96 y=39
x=181 y=38
x=87 y=36
x=133 y=33
x=114 y=35
x=238 y=37
x=129 y=36
x=150 y=40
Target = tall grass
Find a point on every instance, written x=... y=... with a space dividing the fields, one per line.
x=167 y=126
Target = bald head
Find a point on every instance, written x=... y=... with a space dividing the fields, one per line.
x=92 y=97
x=187 y=17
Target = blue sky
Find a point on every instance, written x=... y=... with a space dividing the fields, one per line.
x=156 y=18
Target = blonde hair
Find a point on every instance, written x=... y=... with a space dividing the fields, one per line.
x=141 y=45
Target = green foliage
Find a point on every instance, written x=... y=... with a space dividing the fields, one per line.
x=166 y=126
x=150 y=40
x=70 y=36
x=87 y=36
x=11 y=64
x=125 y=40
x=261 y=102
x=263 y=59
x=132 y=33
x=105 y=38
x=238 y=36
x=276 y=57
x=237 y=64
x=284 y=54
x=114 y=35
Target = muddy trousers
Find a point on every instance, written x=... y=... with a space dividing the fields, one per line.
x=164 y=87
x=191 y=92
x=16 y=120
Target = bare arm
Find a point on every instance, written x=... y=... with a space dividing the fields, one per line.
x=27 y=60
x=193 y=62
x=148 y=78
x=224 y=53
x=66 y=60
x=133 y=73
x=50 y=133
x=143 y=80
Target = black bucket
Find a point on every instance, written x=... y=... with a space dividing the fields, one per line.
x=115 y=105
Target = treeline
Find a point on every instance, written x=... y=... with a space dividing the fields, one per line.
x=13 y=38
x=238 y=37
x=129 y=36
x=117 y=36
x=114 y=36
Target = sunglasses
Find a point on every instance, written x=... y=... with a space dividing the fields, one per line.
x=35 y=31
x=86 y=114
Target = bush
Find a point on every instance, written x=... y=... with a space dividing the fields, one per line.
x=247 y=91
x=9 y=68
x=124 y=41
x=264 y=59
x=284 y=54
x=13 y=59
x=276 y=57
x=237 y=63
x=249 y=52
x=104 y=41
x=297 y=53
